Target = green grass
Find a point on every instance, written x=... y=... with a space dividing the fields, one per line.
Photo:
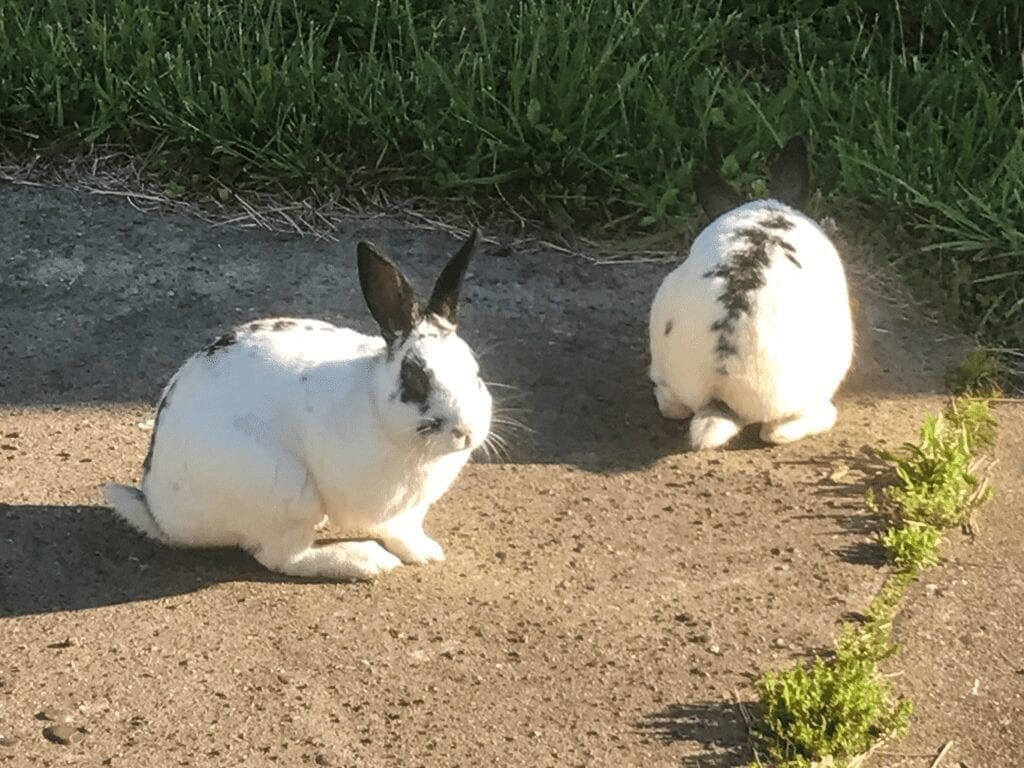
x=936 y=479
x=936 y=484
x=980 y=375
x=840 y=706
x=837 y=707
x=589 y=113
x=913 y=546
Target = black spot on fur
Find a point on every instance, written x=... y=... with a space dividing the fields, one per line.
x=759 y=238
x=723 y=324
x=222 y=342
x=414 y=381
x=156 y=425
x=743 y=272
x=668 y=327
x=255 y=326
x=394 y=346
x=282 y=325
x=725 y=348
x=777 y=221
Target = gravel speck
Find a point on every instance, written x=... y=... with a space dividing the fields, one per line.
x=61 y=734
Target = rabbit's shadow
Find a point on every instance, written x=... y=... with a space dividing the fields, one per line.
x=585 y=403
x=66 y=558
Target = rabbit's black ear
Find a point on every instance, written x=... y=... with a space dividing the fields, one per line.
x=444 y=301
x=714 y=193
x=791 y=175
x=387 y=292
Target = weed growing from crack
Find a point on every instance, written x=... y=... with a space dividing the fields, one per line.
x=840 y=706
x=937 y=479
x=913 y=546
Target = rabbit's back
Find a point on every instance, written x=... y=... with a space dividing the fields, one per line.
x=757 y=316
x=259 y=372
x=231 y=427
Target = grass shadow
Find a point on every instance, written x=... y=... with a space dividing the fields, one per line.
x=716 y=727
x=851 y=476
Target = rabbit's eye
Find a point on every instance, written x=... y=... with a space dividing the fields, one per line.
x=429 y=426
x=415 y=381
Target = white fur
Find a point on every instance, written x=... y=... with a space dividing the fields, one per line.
x=260 y=440
x=793 y=348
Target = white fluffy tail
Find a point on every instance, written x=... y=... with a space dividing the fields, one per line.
x=130 y=504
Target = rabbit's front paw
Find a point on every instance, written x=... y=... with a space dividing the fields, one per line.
x=415 y=548
x=812 y=422
x=365 y=560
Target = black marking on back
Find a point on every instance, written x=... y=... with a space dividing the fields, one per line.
x=725 y=348
x=777 y=221
x=668 y=327
x=156 y=425
x=723 y=324
x=743 y=271
x=222 y=342
x=255 y=326
x=282 y=325
x=414 y=381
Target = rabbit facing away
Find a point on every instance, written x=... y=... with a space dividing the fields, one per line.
x=284 y=422
x=754 y=327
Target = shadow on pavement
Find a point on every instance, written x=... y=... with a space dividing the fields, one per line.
x=716 y=726
x=69 y=558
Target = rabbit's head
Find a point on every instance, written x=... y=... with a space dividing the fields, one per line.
x=789 y=182
x=428 y=389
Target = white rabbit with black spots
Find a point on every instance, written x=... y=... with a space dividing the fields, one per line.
x=283 y=422
x=755 y=325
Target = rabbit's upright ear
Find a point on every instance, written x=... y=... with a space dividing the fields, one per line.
x=791 y=175
x=387 y=292
x=444 y=301
x=714 y=193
